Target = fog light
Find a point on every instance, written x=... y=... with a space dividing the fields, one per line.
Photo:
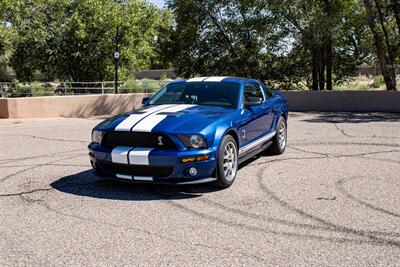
x=193 y=171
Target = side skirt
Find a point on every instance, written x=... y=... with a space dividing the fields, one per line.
x=255 y=152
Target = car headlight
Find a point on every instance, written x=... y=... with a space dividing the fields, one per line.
x=193 y=141
x=97 y=136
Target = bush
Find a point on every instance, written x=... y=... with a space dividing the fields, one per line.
x=378 y=81
x=142 y=86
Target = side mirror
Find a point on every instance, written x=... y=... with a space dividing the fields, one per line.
x=145 y=100
x=253 y=101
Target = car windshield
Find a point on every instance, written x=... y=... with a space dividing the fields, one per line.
x=222 y=94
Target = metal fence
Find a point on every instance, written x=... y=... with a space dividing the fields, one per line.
x=78 y=88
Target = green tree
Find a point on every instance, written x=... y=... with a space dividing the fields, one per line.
x=327 y=33
x=379 y=19
x=74 y=39
x=6 y=39
x=224 y=38
x=316 y=42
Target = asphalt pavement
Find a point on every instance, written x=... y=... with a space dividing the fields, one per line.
x=333 y=199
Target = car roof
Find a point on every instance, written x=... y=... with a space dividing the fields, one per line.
x=215 y=79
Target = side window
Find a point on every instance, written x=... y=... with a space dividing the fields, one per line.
x=252 y=90
x=266 y=90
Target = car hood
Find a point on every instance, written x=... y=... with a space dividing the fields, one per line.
x=193 y=120
x=174 y=119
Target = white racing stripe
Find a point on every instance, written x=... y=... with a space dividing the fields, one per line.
x=148 y=123
x=128 y=123
x=215 y=79
x=199 y=79
x=139 y=156
x=257 y=142
x=120 y=154
x=123 y=176
x=143 y=178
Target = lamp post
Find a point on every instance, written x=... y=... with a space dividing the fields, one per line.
x=116 y=58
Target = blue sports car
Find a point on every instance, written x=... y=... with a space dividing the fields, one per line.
x=192 y=131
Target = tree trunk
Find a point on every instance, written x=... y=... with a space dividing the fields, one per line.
x=329 y=59
x=388 y=75
x=322 y=65
x=328 y=45
x=396 y=10
x=314 y=70
x=391 y=57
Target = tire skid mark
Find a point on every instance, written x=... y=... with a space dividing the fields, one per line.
x=377 y=241
x=340 y=187
x=38 y=165
x=338 y=228
x=310 y=152
x=50 y=164
x=150 y=233
x=26 y=192
x=285 y=222
x=360 y=155
x=47 y=155
x=49 y=138
x=330 y=143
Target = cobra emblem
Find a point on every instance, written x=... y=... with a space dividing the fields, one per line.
x=243 y=133
x=160 y=142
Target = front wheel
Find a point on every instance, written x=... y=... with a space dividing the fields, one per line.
x=227 y=162
x=280 y=139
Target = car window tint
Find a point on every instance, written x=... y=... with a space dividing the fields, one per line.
x=252 y=90
x=266 y=90
x=221 y=94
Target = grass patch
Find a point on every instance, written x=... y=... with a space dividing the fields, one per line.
x=362 y=83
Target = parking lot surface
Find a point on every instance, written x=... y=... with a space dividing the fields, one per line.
x=332 y=199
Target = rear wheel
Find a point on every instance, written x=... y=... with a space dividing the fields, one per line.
x=227 y=162
x=280 y=139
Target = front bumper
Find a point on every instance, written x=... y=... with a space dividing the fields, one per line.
x=158 y=166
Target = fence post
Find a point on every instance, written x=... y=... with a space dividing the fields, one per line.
x=102 y=88
x=65 y=88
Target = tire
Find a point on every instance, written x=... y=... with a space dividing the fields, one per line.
x=227 y=165
x=279 y=141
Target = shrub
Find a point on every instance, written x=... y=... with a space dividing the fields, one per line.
x=378 y=81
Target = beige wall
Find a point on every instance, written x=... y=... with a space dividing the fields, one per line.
x=3 y=108
x=68 y=106
x=344 y=101
x=92 y=105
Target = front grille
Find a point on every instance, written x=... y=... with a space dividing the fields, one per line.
x=135 y=170
x=138 y=139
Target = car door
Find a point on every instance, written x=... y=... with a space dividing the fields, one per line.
x=253 y=119
x=271 y=107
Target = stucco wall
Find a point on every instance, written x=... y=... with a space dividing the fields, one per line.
x=92 y=105
x=344 y=101
x=68 y=106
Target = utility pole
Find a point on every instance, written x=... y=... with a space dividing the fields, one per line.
x=116 y=58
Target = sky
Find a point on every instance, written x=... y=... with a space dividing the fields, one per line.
x=159 y=3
